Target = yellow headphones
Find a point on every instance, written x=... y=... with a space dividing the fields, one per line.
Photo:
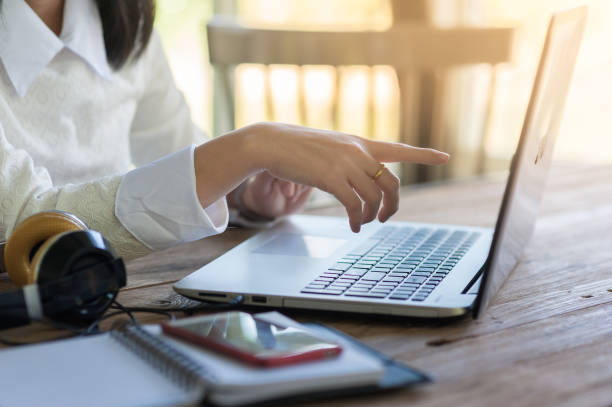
x=30 y=241
x=65 y=270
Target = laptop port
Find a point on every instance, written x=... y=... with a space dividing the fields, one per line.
x=219 y=295
x=259 y=299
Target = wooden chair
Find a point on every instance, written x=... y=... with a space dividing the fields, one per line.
x=417 y=51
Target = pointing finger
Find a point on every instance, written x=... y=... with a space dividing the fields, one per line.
x=385 y=151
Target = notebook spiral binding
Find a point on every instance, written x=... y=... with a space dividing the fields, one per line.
x=163 y=357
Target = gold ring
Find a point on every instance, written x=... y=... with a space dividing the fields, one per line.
x=379 y=172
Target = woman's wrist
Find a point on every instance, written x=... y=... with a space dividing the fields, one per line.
x=255 y=144
x=214 y=177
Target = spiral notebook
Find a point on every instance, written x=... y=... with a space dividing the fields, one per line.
x=142 y=367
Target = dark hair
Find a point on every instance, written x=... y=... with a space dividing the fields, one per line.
x=127 y=26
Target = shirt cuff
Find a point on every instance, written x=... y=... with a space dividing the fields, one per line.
x=159 y=205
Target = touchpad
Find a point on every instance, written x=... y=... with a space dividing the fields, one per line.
x=291 y=244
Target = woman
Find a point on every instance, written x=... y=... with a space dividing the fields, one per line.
x=86 y=94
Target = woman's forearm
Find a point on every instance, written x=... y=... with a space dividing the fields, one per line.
x=223 y=163
x=347 y=166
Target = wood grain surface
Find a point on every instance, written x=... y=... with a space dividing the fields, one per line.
x=546 y=339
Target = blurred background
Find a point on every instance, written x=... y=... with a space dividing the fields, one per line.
x=474 y=110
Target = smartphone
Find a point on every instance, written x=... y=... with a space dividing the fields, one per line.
x=244 y=337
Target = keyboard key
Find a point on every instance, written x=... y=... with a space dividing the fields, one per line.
x=427 y=289
x=355 y=272
x=362 y=266
x=371 y=257
x=384 y=288
x=368 y=286
x=415 y=279
x=373 y=276
x=326 y=292
x=398 y=297
x=358 y=290
x=391 y=285
x=344 y=283
x=340 y=266
x=381 y=291
x=381 y=269
x=403 y=269
x=317 y=285
x=348 y=278
x=366 y=295
x=403 y=294
x=391 y=278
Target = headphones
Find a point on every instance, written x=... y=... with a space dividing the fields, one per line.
x=66 y=271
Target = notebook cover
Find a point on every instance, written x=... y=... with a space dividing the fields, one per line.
x=397 y=375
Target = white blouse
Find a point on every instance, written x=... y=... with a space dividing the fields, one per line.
x=72 y=130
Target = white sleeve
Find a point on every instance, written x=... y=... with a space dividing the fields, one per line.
x=157 y=202
x=26 y=189
x=159 y=205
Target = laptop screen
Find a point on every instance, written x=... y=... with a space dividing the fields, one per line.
x=531 y=161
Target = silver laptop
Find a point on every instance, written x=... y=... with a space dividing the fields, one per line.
x=401 y=268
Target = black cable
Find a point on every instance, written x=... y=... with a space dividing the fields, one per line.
x=127 y=311
x=94 y=327
x=189 y=311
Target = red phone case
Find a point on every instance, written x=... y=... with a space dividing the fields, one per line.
x=241 y=355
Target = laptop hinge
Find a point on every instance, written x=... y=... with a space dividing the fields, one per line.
x=473 y=281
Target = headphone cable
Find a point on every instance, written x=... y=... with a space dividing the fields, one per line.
x=94 y=327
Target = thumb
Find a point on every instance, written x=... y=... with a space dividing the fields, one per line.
x=263 y=182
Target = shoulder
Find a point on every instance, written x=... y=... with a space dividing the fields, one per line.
x=153 y=54
x=148 y=68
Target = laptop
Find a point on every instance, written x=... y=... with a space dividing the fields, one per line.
x=405 y=268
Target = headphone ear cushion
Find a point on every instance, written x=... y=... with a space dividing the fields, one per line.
x=29 y=234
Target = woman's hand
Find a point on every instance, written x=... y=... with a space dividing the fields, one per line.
x=338 y=163
x=272 y=197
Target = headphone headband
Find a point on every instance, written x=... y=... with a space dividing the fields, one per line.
x=67 y=272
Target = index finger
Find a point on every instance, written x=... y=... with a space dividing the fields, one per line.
x=385 y=151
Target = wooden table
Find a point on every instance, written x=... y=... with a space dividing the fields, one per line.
x=545 y=340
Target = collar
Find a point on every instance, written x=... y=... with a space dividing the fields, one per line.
x=27 y=45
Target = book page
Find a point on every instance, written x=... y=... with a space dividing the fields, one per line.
x=88 y=371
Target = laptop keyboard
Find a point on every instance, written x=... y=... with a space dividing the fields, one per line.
x=398 y=263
